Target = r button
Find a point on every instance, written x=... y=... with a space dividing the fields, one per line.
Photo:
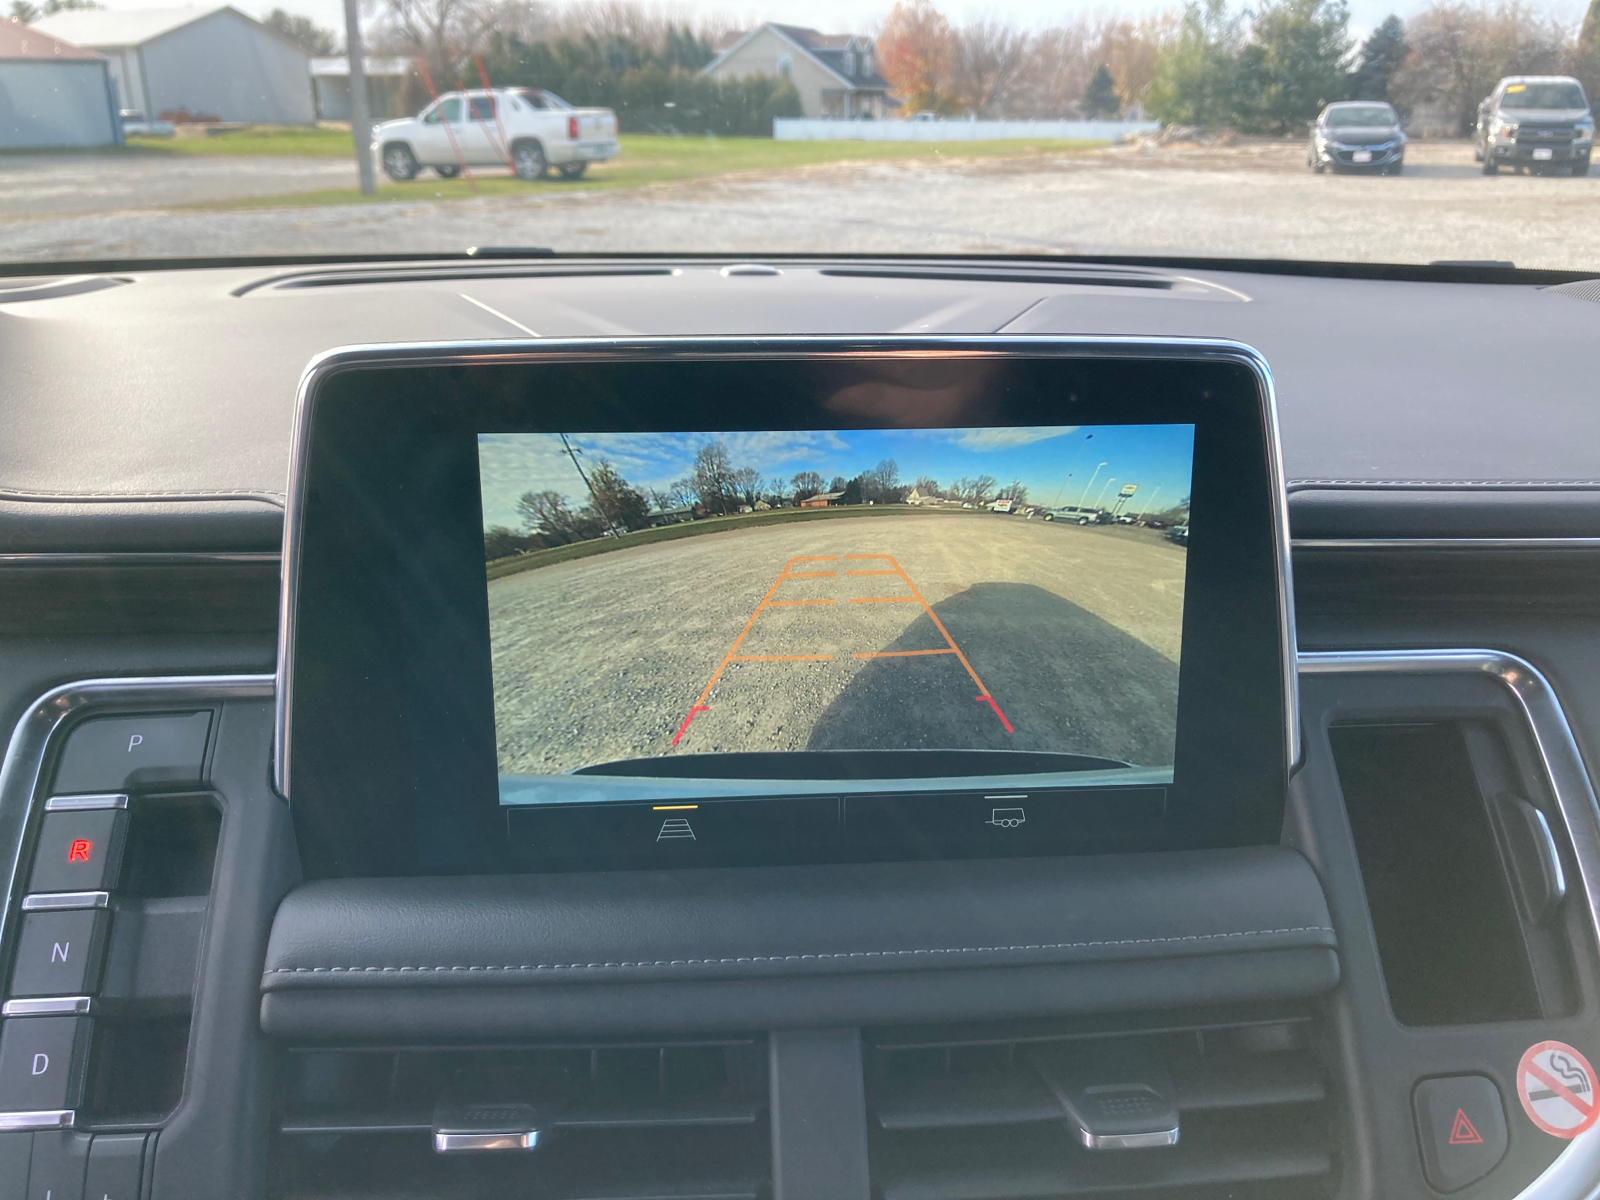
x=1461 y=1129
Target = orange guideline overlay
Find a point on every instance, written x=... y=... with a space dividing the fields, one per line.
x=788 y=572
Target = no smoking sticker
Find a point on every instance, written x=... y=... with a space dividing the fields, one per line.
x=1556 y=1085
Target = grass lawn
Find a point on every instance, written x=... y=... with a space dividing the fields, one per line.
x=646 y=159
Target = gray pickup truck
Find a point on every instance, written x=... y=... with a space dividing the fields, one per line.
x=1535 y=123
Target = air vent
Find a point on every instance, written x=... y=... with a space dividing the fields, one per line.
x=684 y=1119
x=988 y=1112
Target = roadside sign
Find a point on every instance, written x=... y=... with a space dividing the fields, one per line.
x=1128 y=489
x=1556 y=1085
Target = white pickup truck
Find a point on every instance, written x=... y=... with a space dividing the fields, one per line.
x=526 y=129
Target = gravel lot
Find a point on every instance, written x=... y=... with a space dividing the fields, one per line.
x=1250 y=200
x=1074 y=632
x=31 y=184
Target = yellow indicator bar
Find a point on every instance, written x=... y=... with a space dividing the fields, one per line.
x=671 y=807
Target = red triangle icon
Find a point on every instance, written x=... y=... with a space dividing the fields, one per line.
x=1462 y=1133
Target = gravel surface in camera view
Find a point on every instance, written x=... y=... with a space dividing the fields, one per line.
x=1253 y=200
x=1068 y=635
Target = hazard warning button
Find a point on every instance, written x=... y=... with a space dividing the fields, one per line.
x=1461 y=1129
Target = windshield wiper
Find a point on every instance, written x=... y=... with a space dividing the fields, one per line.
x=853 y=764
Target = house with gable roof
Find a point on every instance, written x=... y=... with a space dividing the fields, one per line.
x=835 y=74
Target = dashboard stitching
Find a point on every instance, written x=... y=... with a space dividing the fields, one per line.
x=818 y=956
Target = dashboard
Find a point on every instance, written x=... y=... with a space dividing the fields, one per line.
x=678 y=857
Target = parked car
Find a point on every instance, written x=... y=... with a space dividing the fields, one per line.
x=1179 y=534
x=1535 y=123
x=135 y=124
x=1154 y=523
x=525 y=129
x=1357 y=135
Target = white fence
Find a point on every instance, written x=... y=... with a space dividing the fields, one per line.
x=786 y=129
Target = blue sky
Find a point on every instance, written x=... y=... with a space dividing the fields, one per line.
x=1060 y=464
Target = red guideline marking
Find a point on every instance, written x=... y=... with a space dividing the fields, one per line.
x=989 y=700
x=684 y=728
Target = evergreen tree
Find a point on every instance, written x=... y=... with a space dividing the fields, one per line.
x=1387 y=48
x=1100 y=98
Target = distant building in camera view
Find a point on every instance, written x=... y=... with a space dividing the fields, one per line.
x=835 y=74
x=52 y=93
x=387 y=79
x=185 y=63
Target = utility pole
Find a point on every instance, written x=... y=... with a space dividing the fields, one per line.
x=594 y=495
x=1150 y=504
x=360 y=118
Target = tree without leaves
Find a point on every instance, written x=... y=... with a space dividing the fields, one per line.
x=837 y=483
x=1460 y=50
x=713 y=478
x=982 y=486
x=926 y=485
x=619 y=502
x=546 y=512
x=1100 y=98
x=747 y=485
x=806 y=484
x=303 y=32
x=988 y=61
x=881 y=485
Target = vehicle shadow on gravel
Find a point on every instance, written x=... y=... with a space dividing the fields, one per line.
x=1066 y=679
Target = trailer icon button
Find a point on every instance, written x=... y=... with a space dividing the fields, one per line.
x=1007 y=818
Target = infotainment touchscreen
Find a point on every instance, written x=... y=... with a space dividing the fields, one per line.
x=677 y=604
x=773 y=595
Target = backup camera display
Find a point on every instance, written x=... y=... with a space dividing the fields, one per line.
x=664 y=595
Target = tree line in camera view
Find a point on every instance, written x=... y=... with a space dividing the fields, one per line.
x=714 y=487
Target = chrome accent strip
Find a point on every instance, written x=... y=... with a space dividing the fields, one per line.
x=1552 y=859
x=59 y=1118
x=137 y=558
x=1126 y=1141
x=1460 y=543
x=21 y=771
x=645 y=349
x=84 y=803
x=48 y=1006
x=474 y=1143
x=57 y=901
x=1575 y=1174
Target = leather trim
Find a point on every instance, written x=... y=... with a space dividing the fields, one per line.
x=791 y=922
x=1323 y=509
x=361 y=1013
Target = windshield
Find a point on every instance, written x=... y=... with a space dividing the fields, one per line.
x=1153 y=128
x=1365 y=115
x=1543 y=95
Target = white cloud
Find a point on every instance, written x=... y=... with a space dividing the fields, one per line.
x=1006 y=438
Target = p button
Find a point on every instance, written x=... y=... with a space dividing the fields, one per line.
x=115 y=754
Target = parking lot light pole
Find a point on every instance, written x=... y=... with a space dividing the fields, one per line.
x=360 y=118
x=1098 y=496
x=1087 y=486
